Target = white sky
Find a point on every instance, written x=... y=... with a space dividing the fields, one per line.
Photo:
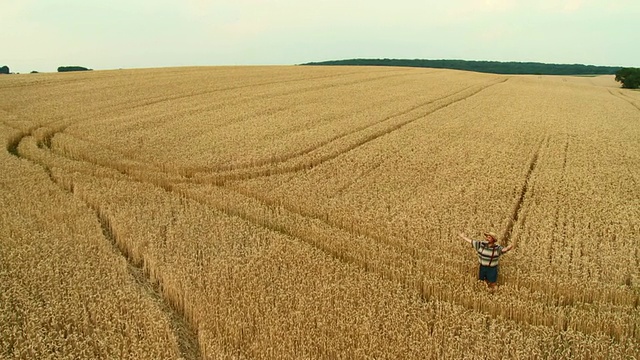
x=109 y=34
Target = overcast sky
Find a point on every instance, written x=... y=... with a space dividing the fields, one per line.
x=109 y=34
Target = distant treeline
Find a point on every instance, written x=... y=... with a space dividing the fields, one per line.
x=495 y=67
x=72 y=68
x=5 y=69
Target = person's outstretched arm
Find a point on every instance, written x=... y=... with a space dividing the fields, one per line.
x=508 y=248
x=465 y=238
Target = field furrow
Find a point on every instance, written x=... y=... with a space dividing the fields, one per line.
x=620 y=95
x=314 y=212
x=516 y=213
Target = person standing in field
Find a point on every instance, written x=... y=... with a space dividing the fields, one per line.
x=489 y=253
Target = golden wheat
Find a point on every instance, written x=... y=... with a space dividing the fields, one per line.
x=63 y=291
x=301 y=212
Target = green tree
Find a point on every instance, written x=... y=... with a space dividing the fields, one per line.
x=629 y=77
x=4 y=70
x=72 y=68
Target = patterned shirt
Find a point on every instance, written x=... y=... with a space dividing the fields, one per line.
x=488 y=256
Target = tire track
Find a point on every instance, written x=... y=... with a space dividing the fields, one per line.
x=370 y=256
x=162 y=99
x=350 y=141
x=563 y=181
x=240 y=100
x=446 y=101
x=306 y=236
x=516 y=214
x=169 y=186
x=357 y=179
x=13 y=141
x=129 y=104
x=12 y=145
x=626 y=98
x=187 y=338
x=398 y=246
x=318 y=154
x=62 y=124
x=321 y=233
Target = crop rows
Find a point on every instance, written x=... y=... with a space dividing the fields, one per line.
x=313 y=213
x=64 y=293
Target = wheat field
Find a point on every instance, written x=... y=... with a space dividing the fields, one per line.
x=298 y=212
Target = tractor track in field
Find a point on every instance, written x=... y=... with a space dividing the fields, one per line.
x=12 y=146
x=563 y=181
x=517 y=215
x=385 y=270
x=371 y=251
x=238 y=100
x=185 y=335
x=351 y=140
x=136 y=268
x=446 y=101
x=14 y=141
x=626 y=98
x=162 y=99
x=127 y=105
x=60 y=125
x=323 y=152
